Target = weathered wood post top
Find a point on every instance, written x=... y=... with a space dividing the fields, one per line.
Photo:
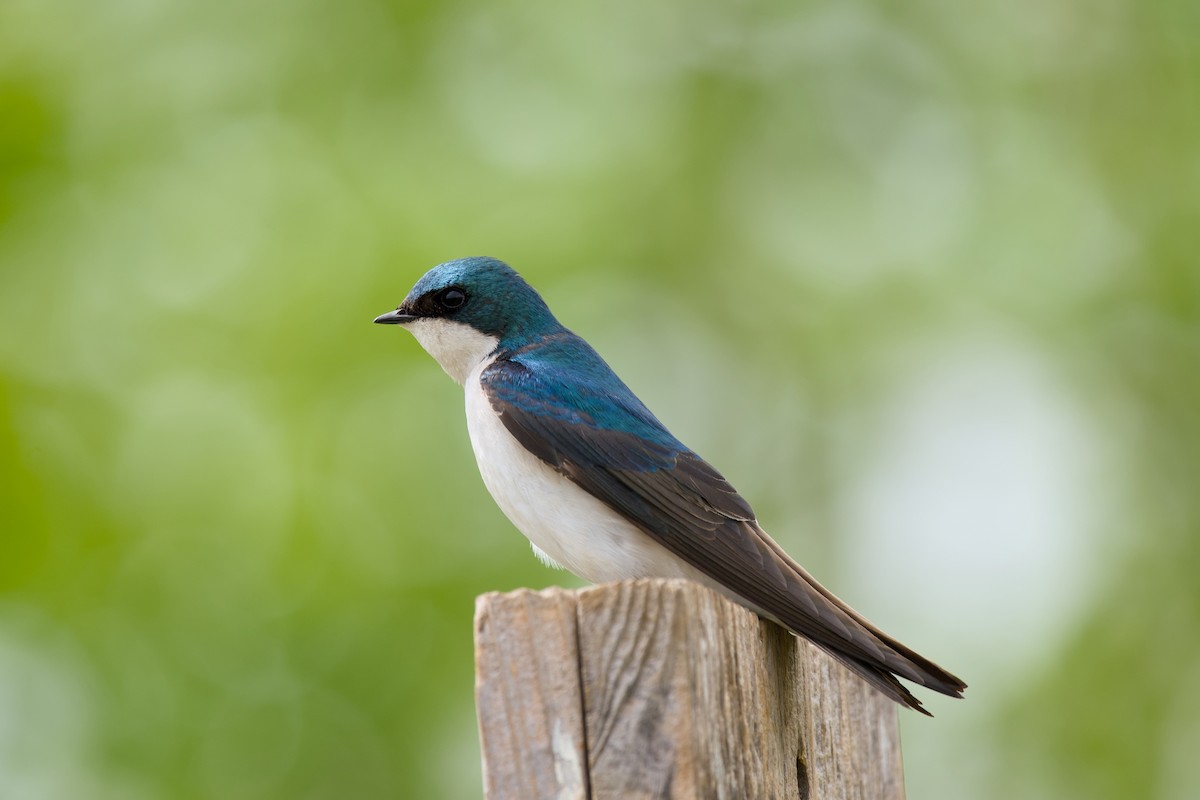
x=664 y=689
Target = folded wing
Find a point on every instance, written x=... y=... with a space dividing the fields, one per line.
x=612 y=446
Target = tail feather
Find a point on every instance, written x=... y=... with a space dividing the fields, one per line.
x=862 y=647
x=882 y=681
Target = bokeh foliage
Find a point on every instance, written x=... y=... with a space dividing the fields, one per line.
x=920 y=278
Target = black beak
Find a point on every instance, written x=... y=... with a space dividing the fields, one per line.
x=396 y=317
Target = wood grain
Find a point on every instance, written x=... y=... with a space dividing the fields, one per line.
x=528 y=696
x=664 y=689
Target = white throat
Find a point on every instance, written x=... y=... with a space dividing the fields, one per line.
x=457 y=347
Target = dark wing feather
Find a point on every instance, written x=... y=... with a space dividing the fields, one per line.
x=612 y=447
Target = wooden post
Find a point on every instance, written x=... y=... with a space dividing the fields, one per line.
x=664 y=689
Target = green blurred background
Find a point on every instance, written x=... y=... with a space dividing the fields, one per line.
x=919 y=278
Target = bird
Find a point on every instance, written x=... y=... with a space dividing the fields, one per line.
x=601 y=488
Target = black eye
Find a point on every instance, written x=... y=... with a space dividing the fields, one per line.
x=452 y=299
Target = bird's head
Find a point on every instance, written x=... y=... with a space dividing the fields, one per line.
x=460 y=311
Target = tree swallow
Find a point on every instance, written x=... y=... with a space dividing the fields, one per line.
x=601 y=488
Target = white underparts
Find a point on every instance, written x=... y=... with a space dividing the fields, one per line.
x=567 y=526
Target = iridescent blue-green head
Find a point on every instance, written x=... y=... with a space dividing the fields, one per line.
x=462 y=310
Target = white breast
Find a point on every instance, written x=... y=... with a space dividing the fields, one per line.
x=566 y=525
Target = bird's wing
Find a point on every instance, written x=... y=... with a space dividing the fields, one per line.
x=609 y=444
